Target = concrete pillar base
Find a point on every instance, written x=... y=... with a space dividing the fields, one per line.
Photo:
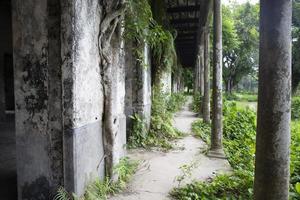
x=216 y=153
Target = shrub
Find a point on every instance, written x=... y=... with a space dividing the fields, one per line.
x=295 y=160
x=221 y=187
x=239 y=146
x=201 y=130
x=230 y=97
x=239 y=137
x=139 y=132
x=196 y=105
x=296 y=108
x=161 y=128
x=100 y=189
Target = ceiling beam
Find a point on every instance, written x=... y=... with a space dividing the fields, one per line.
x=183 y=9
x=184 y=20
x=186 y=28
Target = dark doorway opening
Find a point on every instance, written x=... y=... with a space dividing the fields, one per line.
x=8 y=174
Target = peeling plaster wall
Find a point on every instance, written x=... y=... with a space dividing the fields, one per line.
x=38 y=97
x=138 y=87
x=82 y=94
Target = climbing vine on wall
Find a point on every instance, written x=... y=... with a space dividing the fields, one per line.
x=140 y=28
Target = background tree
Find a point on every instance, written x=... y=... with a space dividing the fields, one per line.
x=296 y=46
x=240 y=33
x=188 y=79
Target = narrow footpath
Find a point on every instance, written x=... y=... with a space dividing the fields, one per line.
x=162 y=171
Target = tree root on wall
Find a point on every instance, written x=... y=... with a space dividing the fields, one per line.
x=111 y=15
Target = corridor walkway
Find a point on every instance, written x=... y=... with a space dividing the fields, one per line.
x=162 y=171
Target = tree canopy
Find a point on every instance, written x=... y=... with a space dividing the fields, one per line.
x=241 y=39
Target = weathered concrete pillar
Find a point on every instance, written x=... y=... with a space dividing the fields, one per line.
x=216 y=149
x=166 y=82
x=201 y=67
x=36 y=43
x=83 y=97
x=274 y=101
x=138 y=86
x=196 y=75
x=175 y=82
x=199 y=78
x=59 y=88
x=206 y=74
x=142 y=87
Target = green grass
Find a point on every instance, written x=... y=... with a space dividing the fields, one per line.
x=100 y=189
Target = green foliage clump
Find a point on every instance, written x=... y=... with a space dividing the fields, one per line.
x=296 y=46
x=201 y=130
x=196 y=105
x=239 y=146
x=239 y=143
x=141 y=28
x=230 y=96
x=239 y=137
x=175 y=102
x=295 y=160
x=296 y=108
x=188 y=77
x=100 y=189
x=161 y=128
x=222 y=187
x=139 y=131
x=248 y=97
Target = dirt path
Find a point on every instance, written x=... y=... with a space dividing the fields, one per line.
x=160 y=171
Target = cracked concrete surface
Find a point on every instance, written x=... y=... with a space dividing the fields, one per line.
x=159 y=171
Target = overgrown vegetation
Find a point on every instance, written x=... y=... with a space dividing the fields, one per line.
x=239 y=146
x=141 y=26
x=188 y=77
x=161 y=129
x=100 y=189
x=201 y=130
x=196 y=104
x=296 y=108
x=249 y=97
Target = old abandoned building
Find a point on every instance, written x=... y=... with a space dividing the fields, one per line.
x=69 y=83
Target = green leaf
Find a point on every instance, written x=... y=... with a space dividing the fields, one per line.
x=297 y=186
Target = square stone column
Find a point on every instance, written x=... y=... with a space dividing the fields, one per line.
x=59 y=96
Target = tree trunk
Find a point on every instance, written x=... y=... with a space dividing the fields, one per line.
x=274 y=101
x=206 y=98
x=216 y=149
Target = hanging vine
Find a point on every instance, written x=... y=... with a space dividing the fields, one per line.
x=141 y=28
